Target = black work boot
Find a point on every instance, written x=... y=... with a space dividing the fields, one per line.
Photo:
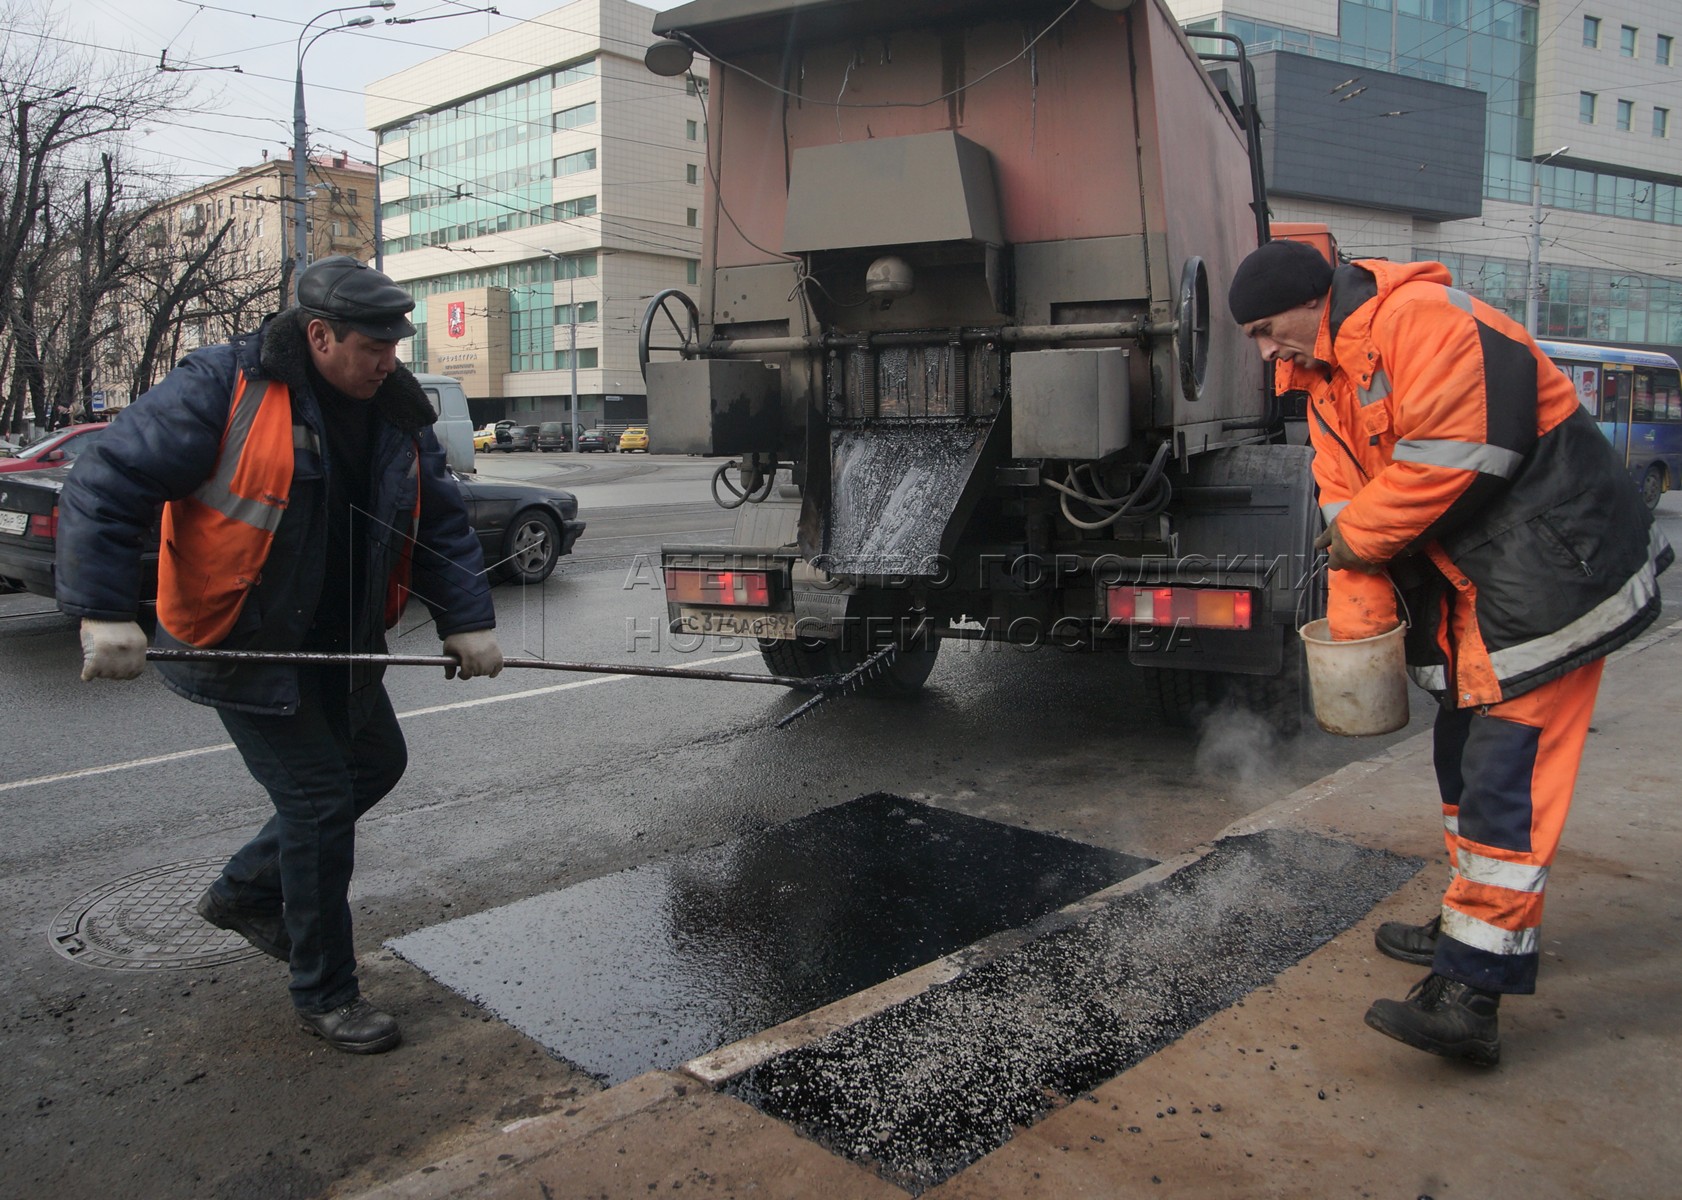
x=1443 y=1016
x=356 y=1028
x=1410 y=943
x=264 y=928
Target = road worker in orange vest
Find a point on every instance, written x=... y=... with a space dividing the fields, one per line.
x=304 y=500
x=1458 y=472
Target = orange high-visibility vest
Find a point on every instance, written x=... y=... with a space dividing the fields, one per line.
x=214 y=542
x=397 y=584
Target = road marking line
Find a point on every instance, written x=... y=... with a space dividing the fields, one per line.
x=178 y=755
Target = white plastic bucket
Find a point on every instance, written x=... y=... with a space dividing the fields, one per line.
x=1360 y=687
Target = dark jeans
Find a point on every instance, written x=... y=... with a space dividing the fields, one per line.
x=323 y=767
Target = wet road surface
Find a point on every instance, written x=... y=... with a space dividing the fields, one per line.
x=196 y=1083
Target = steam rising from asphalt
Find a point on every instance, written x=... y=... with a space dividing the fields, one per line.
x=1238 y=750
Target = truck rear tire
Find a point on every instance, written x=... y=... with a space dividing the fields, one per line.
x=1276 y=699
x=806 y=658
x=1187 y=698
x=1183 y=698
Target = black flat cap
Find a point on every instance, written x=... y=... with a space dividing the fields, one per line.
x=341 y=289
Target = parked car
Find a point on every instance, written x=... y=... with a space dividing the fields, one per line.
x=54 y=450
x=634 y=438
x=592 y=439
x=554 y=435
x=454 y=427
x=484 y=439
x=512 y=437
x=523 y=528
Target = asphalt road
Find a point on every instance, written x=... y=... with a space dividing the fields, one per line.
x=196 y=1083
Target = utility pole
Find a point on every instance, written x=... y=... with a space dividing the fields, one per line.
x=1533 y=289
x=572 y=332
x=572 y=351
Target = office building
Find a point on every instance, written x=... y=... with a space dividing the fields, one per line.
x=537 y=186
x=1417 y=128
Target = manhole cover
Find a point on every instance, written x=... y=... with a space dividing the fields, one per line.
x=146 y=922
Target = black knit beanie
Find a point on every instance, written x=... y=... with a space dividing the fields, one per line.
x=1278 y=276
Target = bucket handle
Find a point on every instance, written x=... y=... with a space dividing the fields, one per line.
x=1322 y=566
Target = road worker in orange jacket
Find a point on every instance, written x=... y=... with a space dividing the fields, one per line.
x=304 y=497
x=1466 y=491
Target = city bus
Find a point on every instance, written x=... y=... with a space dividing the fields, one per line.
x=1636 y=396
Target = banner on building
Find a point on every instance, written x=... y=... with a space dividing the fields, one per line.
x=467 y=337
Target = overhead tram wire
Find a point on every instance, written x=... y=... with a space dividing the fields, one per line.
x=253 y=75
x=540 y=123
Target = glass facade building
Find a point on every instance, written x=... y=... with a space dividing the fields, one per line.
x=1494 y=47
x=546 y=166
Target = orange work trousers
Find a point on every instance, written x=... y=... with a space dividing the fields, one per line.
x=1506 y=773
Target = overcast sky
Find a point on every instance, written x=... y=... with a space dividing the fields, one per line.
x=241 y=115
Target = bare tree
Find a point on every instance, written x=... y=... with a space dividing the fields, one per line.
x=69 y=227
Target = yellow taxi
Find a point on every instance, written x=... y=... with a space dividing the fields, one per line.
x=485 y=439
x=634 y=438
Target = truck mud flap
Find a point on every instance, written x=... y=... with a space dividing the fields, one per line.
x=894 y=492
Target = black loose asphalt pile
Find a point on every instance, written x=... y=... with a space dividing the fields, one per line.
x=650 y=967
x=923 y=1089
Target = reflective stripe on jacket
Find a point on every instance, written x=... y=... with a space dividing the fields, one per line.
x=1451 y=449
x=214 y=542
x=402 y=570
x=165 y=446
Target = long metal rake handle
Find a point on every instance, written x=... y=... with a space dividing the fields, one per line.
x=297 y=657
x=825 y=686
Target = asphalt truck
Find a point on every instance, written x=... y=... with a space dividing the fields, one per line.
x=960 y=331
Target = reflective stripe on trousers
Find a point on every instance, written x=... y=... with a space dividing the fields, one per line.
x=1506 y=774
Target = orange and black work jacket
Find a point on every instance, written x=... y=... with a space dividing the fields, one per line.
x=1450 y=450
x=230 y=444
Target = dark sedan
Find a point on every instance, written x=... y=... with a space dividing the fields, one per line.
x=511 y=437
x=524 y=529
x=592 y=439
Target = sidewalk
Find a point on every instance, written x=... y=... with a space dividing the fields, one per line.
x=1287 y=1093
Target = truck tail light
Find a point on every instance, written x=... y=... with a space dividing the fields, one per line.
x=1200 y=608
x=737 y=589
x=44 y=525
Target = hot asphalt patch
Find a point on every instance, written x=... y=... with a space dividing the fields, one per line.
x=653 y=966
x=923 y=1089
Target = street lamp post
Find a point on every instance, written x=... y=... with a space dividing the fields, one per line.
x=300 y=132
x=1533 y=291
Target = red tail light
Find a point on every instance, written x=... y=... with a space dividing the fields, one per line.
x=738 y=589
x=1200 y=608
x=44 y=525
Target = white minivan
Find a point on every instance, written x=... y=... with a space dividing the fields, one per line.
x=455 y=426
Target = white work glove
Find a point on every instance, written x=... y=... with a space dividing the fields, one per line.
x=112 y=649
x=476 y=652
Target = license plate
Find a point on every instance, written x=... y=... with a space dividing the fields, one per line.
x=13 y=522
x=736 y=624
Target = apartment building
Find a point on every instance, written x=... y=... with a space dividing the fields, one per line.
x=240 y=226
x=1474 y=131
x=536 y=188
